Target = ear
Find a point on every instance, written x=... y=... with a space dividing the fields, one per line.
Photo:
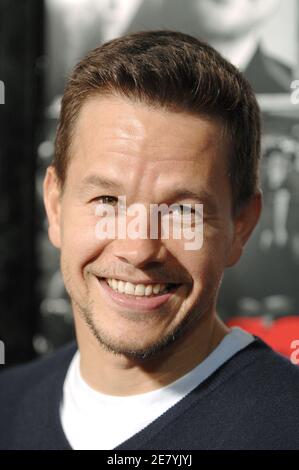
x=52 y=201
x=245 y=221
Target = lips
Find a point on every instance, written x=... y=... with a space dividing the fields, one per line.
x=137 y=302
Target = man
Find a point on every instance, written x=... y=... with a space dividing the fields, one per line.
x=158 y=118
x=234 y=28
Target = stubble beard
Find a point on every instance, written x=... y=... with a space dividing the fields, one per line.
x=133 y=352
x=87 y=312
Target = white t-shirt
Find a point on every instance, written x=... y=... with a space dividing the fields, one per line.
x=95 y=421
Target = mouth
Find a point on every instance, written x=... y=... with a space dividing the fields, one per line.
x=137 y=296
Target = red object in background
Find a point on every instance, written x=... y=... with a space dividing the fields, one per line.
x=279 y=333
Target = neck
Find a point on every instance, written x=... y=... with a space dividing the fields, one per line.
x=119 y=375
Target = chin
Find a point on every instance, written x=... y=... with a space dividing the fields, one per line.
x=134 y=348
x=131 y=350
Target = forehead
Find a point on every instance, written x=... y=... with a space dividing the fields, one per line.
x=121 y=125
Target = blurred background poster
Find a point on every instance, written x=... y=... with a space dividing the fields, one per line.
x=261 y=37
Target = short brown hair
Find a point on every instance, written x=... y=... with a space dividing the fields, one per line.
x=176 y=71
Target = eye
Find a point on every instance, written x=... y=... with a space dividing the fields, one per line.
x=184 y=210
x=186 y=214
x=105 y=199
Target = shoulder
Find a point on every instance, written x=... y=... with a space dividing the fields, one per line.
x=30 y=396
x=32 y=373
x=258 y=399
x=250 y=402
x=259 y=374
x=33 y=385
x=272 y=370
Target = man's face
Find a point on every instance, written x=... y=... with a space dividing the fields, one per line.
x=231 y=18
x=149 y=155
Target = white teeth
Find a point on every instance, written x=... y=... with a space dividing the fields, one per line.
x=121 y=286
x=148 y=290
x=156 y=288
x=129 y=288
x=135 y=289
x=139 y=289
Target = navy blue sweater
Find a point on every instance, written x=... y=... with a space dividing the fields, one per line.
x=250 y=402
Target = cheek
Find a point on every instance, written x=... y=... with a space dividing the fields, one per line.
x=80 y=243
x=207 y=263
x=204 y=267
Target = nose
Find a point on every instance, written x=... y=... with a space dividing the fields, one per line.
x=141 y=248
x=140 y=252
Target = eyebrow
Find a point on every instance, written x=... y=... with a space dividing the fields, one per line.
x=100 y=182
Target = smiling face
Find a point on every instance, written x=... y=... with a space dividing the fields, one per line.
x=150 y=155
